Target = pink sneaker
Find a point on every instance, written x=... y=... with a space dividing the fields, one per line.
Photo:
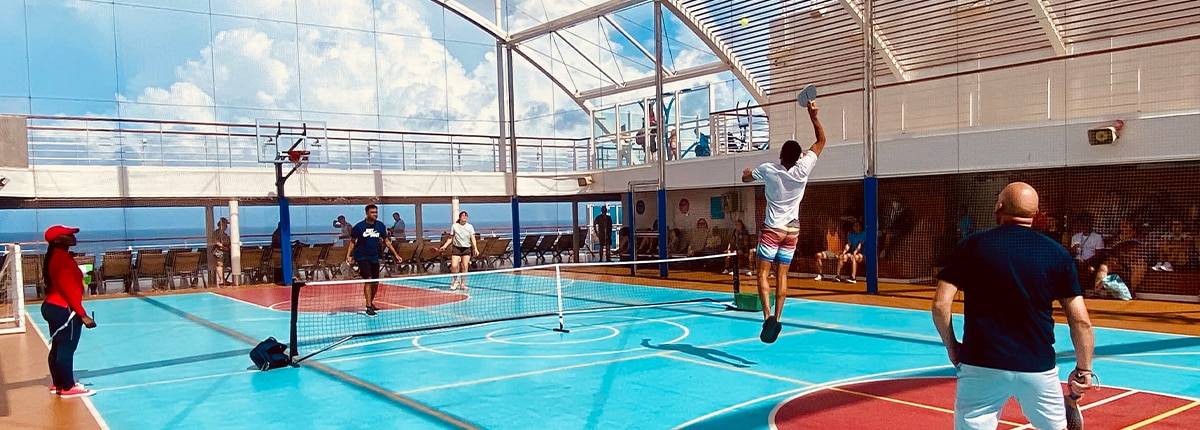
x=77 y=391
x=54 y=390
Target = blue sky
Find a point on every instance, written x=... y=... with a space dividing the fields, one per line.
x=352 y=63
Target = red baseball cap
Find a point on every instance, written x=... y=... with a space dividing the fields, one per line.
x=58 y=230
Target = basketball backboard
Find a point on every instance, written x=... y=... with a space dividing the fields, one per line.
x=277 y=137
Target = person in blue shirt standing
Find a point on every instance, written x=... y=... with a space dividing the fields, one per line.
x=367 y=240
x=1011 y=276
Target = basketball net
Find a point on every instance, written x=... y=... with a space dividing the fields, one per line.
x=299 y=160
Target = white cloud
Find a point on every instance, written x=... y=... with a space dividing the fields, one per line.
x=383 y=79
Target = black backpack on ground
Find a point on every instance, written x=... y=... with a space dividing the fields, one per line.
x=270 y=354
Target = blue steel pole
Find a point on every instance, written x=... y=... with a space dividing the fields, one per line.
x=871 y=219
x=516 y=228
x=662 y=231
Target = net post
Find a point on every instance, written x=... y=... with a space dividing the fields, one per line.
x=558 y=281
x=737 y=271
x=294 y=343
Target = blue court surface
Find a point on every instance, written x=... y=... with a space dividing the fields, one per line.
x=180 y=362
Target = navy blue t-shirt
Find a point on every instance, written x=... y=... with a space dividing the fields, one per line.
x=368 y=240
x=1010 y=277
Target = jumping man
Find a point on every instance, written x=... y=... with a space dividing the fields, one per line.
x=784 y=182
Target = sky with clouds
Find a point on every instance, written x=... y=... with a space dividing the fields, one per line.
x=386 y=64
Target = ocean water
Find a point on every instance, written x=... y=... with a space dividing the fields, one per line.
x=110 y=229
x=99 y=241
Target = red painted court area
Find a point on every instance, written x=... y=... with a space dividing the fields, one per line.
x=345 y=297
x=928 y=403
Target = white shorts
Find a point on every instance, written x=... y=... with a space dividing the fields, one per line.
x=982 y=392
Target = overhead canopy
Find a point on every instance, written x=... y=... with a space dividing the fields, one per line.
x=598 y=48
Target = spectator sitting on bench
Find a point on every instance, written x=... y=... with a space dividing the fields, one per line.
x=833 y=248
x=1120 y=270
x=853 y=254
x=697 y=238
x=1173 y=251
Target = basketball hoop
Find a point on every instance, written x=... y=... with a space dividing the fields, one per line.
x=299 y=160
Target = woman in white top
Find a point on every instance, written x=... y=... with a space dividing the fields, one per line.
x=462 y=236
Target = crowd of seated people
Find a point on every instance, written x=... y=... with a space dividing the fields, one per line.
x=1116 y=265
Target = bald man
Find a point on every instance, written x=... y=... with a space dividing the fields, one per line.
x=1011 y=276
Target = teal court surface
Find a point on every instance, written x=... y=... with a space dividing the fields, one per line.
x=180 y=362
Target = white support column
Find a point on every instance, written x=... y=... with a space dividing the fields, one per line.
x=235 y=243
x=453 y=210
x=419 y=221
x=209 y=261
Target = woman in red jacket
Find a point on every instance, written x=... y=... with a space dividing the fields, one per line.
x=63 y=310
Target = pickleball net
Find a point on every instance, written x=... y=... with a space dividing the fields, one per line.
x=330 y=313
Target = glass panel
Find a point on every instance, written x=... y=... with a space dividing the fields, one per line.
x=421 y=18
x=71 y=50
x=282 y=10
x=12 y=50
x=353 y=14
x=471 y=88
x=39 y=106
x=255 y=63
x=14 y=105
x=179 y=5
x=412 y=82
x=161 y=56
x=337 y=70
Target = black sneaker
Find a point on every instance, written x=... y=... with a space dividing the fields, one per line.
x=370 y=311
x=769 y=332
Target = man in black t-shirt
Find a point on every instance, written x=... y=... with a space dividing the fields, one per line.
x=1011 y=276
x=367 y=240
x=603 y=224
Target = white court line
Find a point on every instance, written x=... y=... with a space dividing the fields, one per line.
x=685 y=333
x=172 y=381
x=480 y=341
x=248 y=303
x=802 y=390
x=87 y=401
x=1155 y=354
x=577 y=366
x=1146 y=363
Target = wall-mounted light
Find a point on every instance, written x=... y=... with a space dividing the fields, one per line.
x=3 y=181
x=1106 y=135
x=584 y=180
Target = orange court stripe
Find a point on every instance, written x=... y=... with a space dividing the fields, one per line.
x=1163 y=415
x=905 y=402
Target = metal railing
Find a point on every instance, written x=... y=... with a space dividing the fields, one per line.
x=140 y=142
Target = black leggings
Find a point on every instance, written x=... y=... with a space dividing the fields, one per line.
x=63 y=344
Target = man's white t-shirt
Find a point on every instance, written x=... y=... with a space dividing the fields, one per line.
x=1088 y=244
x=784 y=188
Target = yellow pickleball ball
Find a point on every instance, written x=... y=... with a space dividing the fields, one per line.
x=745 y=21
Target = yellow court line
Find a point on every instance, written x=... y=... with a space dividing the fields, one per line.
x=1163 y=415
x=905 y=402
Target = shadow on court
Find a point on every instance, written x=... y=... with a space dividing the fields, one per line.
x=164 y=363
x=709 y=354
